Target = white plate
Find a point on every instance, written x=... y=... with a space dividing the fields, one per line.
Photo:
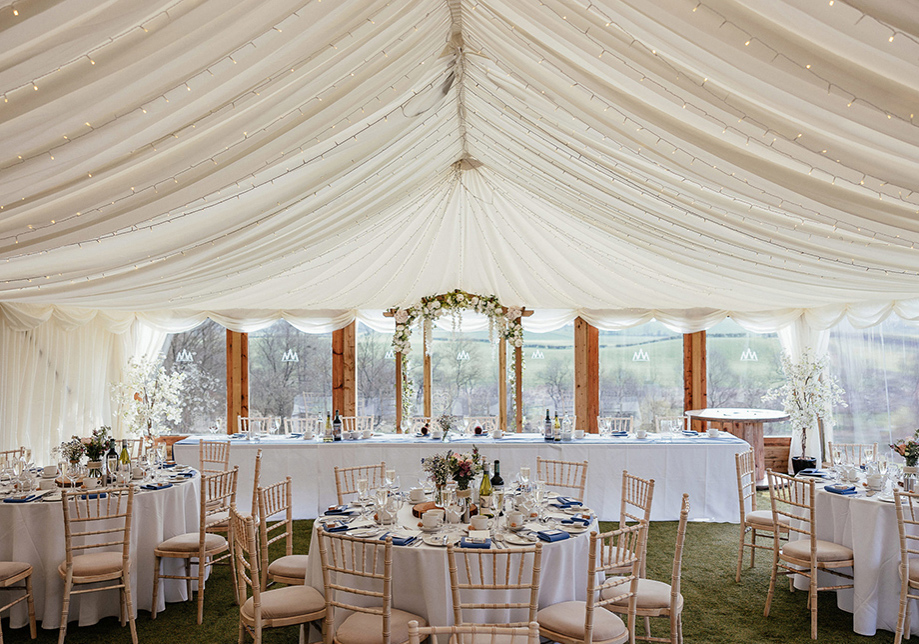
x=574 y=528
x=886 y=499
x=517 y=540
x=364 y=533
x=435 y=540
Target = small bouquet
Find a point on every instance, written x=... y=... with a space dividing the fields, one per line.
x=462 y=468
x=908 y=449
x=72 y=450
x=98 y=443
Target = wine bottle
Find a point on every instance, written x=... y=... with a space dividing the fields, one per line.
x=547 y=430
x=336 y=427
x=557 y=430
x=496 y=480
x=485 y=492
x=327 y=434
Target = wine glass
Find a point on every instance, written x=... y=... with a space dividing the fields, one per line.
x=524 y=476
x=389 y=477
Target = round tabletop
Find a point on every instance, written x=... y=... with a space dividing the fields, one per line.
x=738 y=415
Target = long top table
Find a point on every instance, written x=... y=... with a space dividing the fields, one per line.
x=702 y=466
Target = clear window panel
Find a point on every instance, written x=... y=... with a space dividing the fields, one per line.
x=376 y=378
x=641 y=373
x=742 y=366
x=464 y=373
x=877 y=368
x=290 y=372
x=548 y=376
x=201 y=354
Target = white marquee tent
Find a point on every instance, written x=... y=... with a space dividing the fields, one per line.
x=162 y=161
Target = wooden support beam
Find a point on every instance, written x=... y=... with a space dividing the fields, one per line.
x=695 y=391
x=399 y=392
x=428 y=384
x=237 y=378
x=586 y=375
x=502 y=384
x=518 y=390
x=344 y=382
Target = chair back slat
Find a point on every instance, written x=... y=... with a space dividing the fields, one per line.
x=90 y=517
x=571 y=475
x=676 y=572
x=213 y=456
x=792 y=501
x=272 y=501
x=635 y=503
x=615 y=423
x=246 y=560
x=346 y=478
x=476 y=633
x=610 y=554
x=746 y=485
x=256 y=478
x=218 y=493
x=505 y=575
x=356 y=423
x=349 y=566
x=306 y=426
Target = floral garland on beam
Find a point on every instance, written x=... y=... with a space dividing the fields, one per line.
x=507 y=321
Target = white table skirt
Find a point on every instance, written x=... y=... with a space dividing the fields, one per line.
x=421 y=576
x=701 y=466
x=34 y=533
x=869 y=527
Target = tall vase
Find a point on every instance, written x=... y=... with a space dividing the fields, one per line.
x=439 y=495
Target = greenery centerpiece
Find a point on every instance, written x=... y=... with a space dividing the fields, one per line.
x=808 y=394
x=462 y=468
x=908 y=449
x=96 y=446
x=503 y=322
x=148 y=397
x=72 y=451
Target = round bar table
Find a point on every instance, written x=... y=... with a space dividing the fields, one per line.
x=746 y=424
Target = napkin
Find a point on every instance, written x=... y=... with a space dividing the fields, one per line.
x=295 y=436
x=154 y=486
x=94 y=495
x=399 y=539
x=167 y=465
x=466 y=542
x=239 y=435
x=338 y=510
x=187 y=475
x=336 y=526
x=620 y=433
x=578 y=520
x=841 y=489
x=567 y=500
x=552 y=535
x=19 y=499
x=690 y=432
x=810 y=471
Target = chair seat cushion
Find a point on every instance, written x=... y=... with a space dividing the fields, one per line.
x=487 y=638
x=218 y=520
x=289 y=601
x=364 y=628
x=762 y=519
x=93 y=564
x=188 y=542
x=567 y=619
x=290 y=566
x=913 y=571
x=826 y=550
x=10 y=569
x=652 y=595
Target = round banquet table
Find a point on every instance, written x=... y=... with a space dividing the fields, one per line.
x=34 y=533
x=746 y=424
x=421 y=576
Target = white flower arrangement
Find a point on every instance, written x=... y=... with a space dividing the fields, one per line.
x=808 y=393
x=148 y=397
x=507 y=321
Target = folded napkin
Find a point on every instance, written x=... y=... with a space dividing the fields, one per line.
x=552 y=535
x=621 y=433
x=567 y=500
x=153 y=486
x=810 y=471
x=94 y=495
x=576 y=520
x=187 y=475
x=166 y=466
x=295 y=436
x=466 y=542
x=239 y=435
x=20 y=499
x=398 y=540
x=336 y=526
x=338 y=510
x=690 y=432
x=841 y=489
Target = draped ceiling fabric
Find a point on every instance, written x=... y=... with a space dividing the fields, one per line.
x=257 y=159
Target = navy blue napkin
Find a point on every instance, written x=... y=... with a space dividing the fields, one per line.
x=620 y=433
x=841 y=489
x=335 y=526
x=13 y=499
x=810 y=471
x=552 y=535
x=397 y=540
x=465 y=542
x=96 y=495
x=335 y=510
x=573 y=520
x=152 y=486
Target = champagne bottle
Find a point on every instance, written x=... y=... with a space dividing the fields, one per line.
x=336 y=427
x=125 y=457
x=327 y=434
x=557 y=430
x=496 y=480
x=485 y=492
x=547 y=430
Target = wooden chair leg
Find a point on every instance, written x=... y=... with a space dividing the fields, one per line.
x=202 y=570
x=31 y=602
x=752 y=547
x=129 y=605
x=743 y=534
x=775 y=567
x=812 y=603
x=242 y=632
x=65 y=606
x=189 y=593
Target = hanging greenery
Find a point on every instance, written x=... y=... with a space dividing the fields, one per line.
x=503 y=322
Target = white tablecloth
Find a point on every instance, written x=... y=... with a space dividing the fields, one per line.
x=34 y=533
x=701 y=466
x=421 y=576
x=869 y=527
